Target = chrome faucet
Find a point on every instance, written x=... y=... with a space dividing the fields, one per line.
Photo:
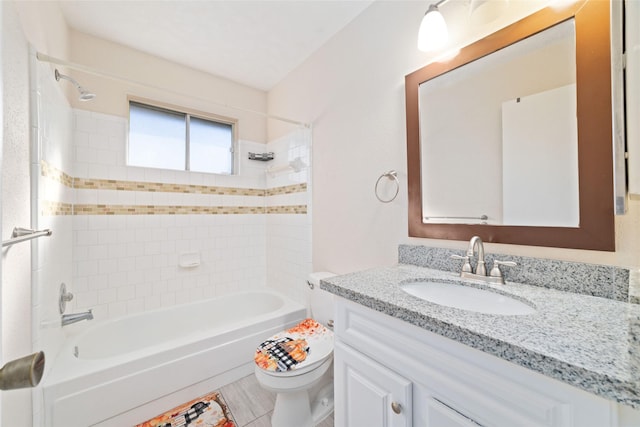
x=481 y=270
x=68 y=319
x=494 y=276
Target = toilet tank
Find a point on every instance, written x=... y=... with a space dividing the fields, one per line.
x=320 y=302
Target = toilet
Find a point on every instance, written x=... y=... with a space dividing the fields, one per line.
x=297 y=363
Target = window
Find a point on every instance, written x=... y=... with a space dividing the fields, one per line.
x=163 y=138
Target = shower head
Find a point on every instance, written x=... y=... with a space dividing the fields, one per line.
x=85 y=95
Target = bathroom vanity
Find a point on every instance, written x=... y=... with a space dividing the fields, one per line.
x=401 y=360
x=566 y=352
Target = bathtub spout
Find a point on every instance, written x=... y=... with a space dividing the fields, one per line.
x=68 y=319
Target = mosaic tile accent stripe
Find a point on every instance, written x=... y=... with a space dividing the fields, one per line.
x=56 y=208
x=294 y=209
x=159 y=187
x=287 y=189
x=165 y=210
x=185 y=210
x=59 y=208
x=55 y=174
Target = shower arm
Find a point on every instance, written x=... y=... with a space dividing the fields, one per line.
x=62 y=76
x=85 y=95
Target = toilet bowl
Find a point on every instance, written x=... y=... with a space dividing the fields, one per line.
x=297 y=364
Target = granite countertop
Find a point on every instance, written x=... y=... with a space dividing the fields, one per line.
x=589 y=342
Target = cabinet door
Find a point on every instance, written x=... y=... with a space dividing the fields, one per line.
x=441 y=415
x=367 y=393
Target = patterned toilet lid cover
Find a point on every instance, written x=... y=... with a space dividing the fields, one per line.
x=304 y=344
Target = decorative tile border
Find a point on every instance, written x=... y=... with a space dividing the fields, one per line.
x=160 y=187
x=185 y=210
x=293 y=209
x=56 y=208
x=59 y=208
x=165 y=210
x=55 y=174
x=287 y=189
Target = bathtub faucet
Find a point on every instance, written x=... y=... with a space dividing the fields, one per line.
x=68 y=319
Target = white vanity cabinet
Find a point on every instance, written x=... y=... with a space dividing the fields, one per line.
x=368 y=393
x=391 y=373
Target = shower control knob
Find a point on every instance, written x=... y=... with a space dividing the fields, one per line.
x=65 y=297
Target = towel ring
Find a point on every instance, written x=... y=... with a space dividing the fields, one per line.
x=393 y=175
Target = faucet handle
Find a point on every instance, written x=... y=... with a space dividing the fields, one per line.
x=64 y=298
x=495 y=270
x=466 y=267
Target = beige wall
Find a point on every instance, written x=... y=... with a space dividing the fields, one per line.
x=44 y=26
x=163 y=81
x=353 y=92
x=47 y=31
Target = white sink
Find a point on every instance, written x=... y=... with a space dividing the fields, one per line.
x=466 y=298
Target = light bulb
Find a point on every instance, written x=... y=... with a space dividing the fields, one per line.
x=433 y=33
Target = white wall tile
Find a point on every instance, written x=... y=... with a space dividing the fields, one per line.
x=81 y=139
x=117 y=309
x=135 y=257
x=86 y=299
x=126 y=292
x=106 y=296
x=84 y=121
x=96 y=141
x=86 y=237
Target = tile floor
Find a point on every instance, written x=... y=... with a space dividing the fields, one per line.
x=251 y=405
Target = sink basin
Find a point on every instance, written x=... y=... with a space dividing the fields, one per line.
x=466 y=298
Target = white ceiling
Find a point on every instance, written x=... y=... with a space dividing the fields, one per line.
x=253 y=42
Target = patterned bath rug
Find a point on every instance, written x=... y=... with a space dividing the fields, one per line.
x=206 y=411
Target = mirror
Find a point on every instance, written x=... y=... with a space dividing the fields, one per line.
x=479 y=161
x=526 y=125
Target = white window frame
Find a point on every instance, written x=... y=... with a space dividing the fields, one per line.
x=188 y=112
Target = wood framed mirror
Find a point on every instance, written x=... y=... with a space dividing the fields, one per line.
x=594 y=224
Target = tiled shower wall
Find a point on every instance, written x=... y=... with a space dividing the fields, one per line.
x=136 y=231
x=289 y=234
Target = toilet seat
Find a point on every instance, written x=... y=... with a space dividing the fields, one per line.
x=295 y=351
x=291 y=383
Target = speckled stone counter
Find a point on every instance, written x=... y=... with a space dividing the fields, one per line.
x=592 y=343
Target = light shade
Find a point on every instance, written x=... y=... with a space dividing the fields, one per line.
x=485 y=11
x=433 y=33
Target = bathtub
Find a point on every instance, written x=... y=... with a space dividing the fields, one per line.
x=124 y=371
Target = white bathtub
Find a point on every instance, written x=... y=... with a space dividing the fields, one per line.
x=127 y=370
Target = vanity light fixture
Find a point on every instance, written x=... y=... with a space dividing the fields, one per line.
x=433 y=33
x=485 y=11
